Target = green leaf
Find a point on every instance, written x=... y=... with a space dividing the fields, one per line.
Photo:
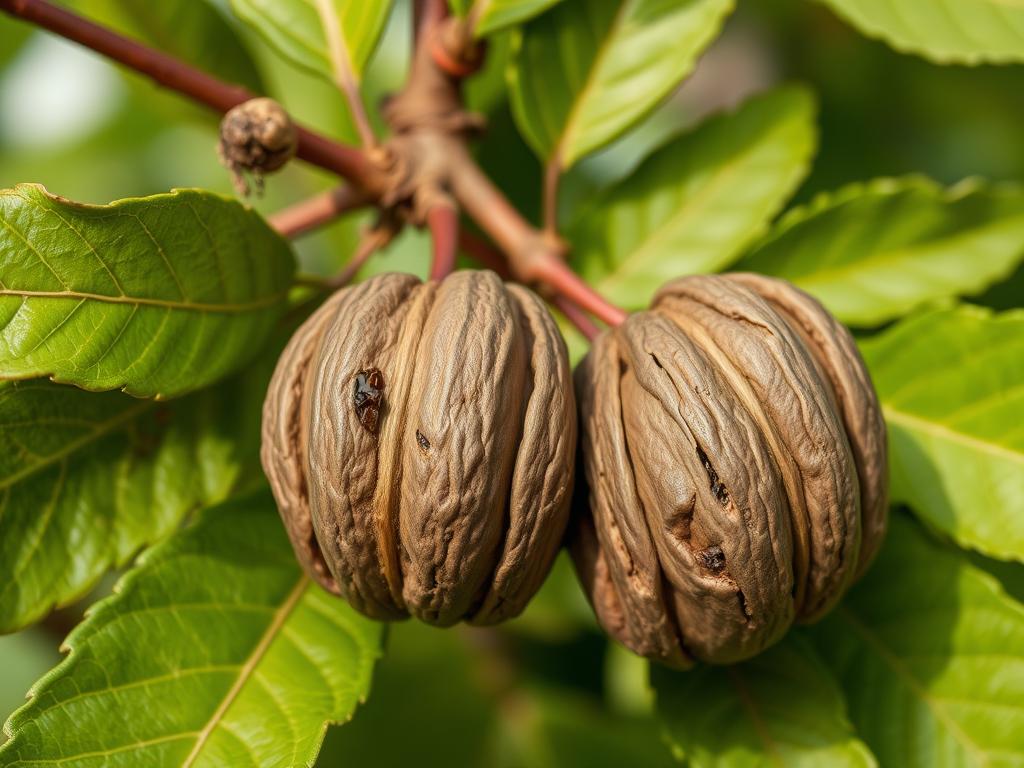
x=492 y=15
x=589 y=69
x=158 y=295
x=562 y=728
x=192 y=30
x=296 y=30
x=950 y=382
x=12 y=40
x=781 y=708
x=87 y=479
x=873 y=252
x=456 y=717
x=694 y=204
x=215 y=650
x=945 y=31
x=930 y=652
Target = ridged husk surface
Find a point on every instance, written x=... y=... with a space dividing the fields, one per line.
x=735 y=456
x=444 y=494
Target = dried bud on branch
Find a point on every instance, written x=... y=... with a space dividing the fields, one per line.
x=420 y=440
x=735 y=454
x=257 y=136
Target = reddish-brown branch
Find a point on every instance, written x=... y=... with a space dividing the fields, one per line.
x=554 y=272
x=549 y=196
x=369 y=245
x=443 y=223
x=481 y=251
x=580 y=319
x=533 y=256
x=194 y=83
x=428 y=16
x=307 y=215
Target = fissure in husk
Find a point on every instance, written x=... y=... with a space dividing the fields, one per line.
x=420 y=440
x=735 y=461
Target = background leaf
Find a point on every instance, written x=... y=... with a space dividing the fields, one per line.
x=247 y=659
x=951 y=384
x=158 y=295
x=694 y=204
x=294 y=29
x=946 y=31
x=873 y=252
x=492 y=15
x=467 y=711
x=192 y=30
x=575 y=86
x=86 y=479
x=780 y=708
x=930 y=653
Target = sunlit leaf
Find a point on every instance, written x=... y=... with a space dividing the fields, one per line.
x=86 y=479
x=781 y=708
x=872 y=252
x=215 y=650
x=295 y=28
x=694 y=204
x=158 y=295
x=930 y=653
x=491 y=15
x=946 y=31
x=951 y=384
x=587 y=70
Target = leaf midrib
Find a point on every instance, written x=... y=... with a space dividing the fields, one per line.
x=98 y=433
x=945 y=432
x=843 y=273
x=636 y=261
x=904 y=674
x=186 y=306
x=760 y=727
x=248 y=668
x=558 y=153
x=338 y=54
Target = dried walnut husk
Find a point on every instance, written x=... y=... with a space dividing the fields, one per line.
x=735 y=455
x=420 y=441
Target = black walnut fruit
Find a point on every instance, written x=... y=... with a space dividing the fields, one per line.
x=420 y=441
x=735 y=456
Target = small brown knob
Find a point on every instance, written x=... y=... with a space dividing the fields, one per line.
x=258 y=137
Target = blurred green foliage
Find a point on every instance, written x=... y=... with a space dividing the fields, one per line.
x=545 y=687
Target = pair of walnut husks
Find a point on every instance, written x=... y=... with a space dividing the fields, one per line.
x=420 y=439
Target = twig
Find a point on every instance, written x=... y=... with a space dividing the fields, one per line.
x=171 y=73
x=317 y=282
x=552 y=271
x=533 y=256
x=482 y=251
x=580 y=319
x=312 y=213
x=443 y=223
x=549 y=195
x=344 y=77
x=371 y=242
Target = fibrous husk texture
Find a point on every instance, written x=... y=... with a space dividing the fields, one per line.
x=735 y=455
x=420 y=441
